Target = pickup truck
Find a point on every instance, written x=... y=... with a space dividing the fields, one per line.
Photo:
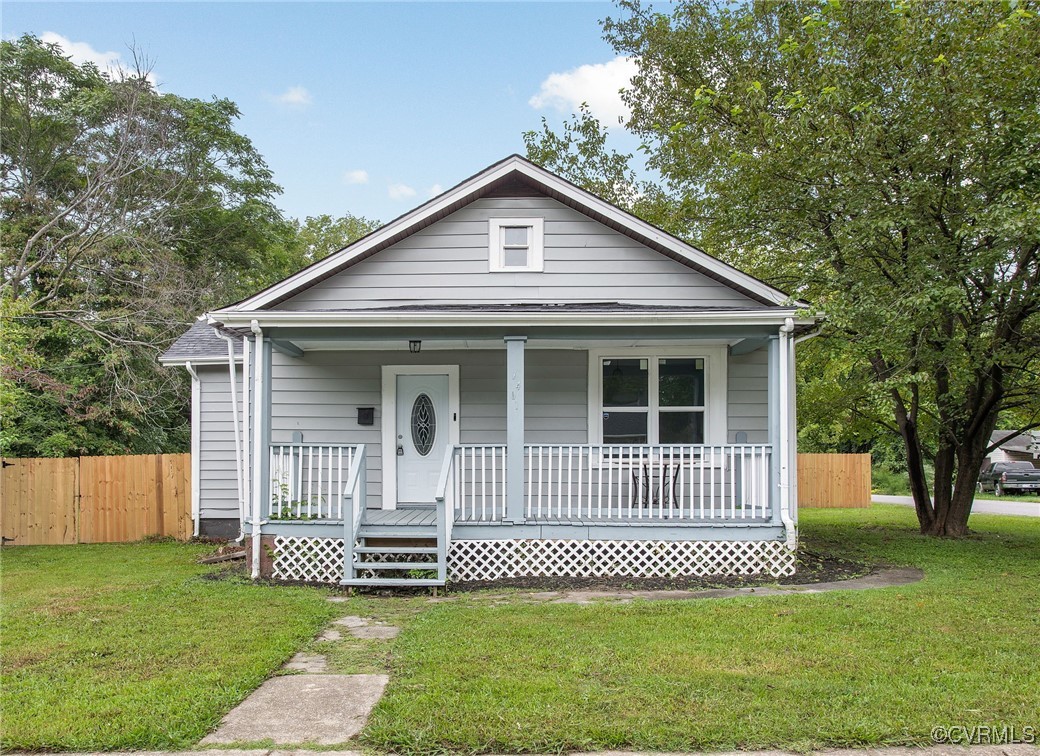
x=1010 y=477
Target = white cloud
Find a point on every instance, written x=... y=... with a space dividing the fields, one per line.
x=356 y=176
x=83 y=52
x=435 y=190
x=400 y=191
x=597 y=84
x=296 y=97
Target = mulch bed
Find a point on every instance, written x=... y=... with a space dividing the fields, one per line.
x=812 y=568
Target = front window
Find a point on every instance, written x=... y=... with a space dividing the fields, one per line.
x=656 y=400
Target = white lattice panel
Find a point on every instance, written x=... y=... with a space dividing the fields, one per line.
x=315 y=560
x=488 y=560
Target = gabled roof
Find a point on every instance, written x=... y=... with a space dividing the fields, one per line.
x=512 y=174
x=200 y=345
x=1012 y=440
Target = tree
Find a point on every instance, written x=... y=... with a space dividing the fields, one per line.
x=881 y=160
x=124 y=212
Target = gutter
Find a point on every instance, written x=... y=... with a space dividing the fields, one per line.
x=786 y=348
x=258 y=382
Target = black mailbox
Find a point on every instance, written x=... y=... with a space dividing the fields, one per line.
x=366 y=415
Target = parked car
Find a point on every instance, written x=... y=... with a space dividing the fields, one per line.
x=1010 y=477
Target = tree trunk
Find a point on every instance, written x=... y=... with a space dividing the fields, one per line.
x=914 y=464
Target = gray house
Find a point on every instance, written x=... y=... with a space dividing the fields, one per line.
x=514 y=379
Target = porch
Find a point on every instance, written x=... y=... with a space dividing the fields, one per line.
x=611 y=446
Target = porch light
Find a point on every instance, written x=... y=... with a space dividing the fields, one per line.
x=414 y=346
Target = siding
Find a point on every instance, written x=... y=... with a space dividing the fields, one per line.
x=748 y=410
x=218 y=487
x=447 y=263
x=320 y=393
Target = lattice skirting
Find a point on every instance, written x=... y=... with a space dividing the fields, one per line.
x=320 y=560
x=315 y=560
x=489 y=560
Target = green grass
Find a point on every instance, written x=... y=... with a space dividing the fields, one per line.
x=108 y=647
x=847 y=668
x=127 y=647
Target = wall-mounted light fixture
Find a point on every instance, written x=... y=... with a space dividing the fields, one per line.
x=414 y=346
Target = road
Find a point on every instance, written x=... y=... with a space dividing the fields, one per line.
x=989 y=506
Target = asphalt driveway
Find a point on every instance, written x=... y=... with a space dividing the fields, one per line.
x=987 y=506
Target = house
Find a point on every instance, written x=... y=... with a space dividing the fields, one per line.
x=516 y=378
x=1012 y=446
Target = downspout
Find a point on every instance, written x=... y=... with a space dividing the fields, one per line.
x=785 y=435
x=239 y=467
x=196 y=462
x=258 y=400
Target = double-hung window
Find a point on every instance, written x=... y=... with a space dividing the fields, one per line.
x=653 y=399
x=515 y=245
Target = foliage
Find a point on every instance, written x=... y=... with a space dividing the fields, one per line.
x=124 y=213
x=129 y=647
x=881 y=160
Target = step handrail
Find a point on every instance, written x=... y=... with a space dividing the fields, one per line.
x=355 y=493
x=445 y=499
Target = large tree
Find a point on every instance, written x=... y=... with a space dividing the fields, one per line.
x=881 y=159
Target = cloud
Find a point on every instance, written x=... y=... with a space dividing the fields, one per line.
x=356 y=176
x=295 y=97
x=597 y=84
x=83 y=52
x=400 y=191
x=435 y=190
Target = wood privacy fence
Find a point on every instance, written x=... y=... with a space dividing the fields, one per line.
x=833 y=480
x=95 y=499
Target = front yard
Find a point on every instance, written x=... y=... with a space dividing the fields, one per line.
x=129 y=647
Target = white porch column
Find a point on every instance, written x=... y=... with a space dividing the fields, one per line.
x=515 y=428
x=261 y=438
x=773 y=399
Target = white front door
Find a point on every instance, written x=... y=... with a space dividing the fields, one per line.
x=422 y=433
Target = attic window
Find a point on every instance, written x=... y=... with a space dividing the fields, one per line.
x=515 y=245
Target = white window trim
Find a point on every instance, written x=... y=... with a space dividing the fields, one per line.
x=715 y=356
x=536 y=249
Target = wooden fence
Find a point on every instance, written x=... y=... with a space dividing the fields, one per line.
x=833 y=480
x=95 y=499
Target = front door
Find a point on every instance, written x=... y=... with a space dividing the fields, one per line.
x=422 y=434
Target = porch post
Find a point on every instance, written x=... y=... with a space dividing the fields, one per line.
x=773 y=399
x=515 y=428
x=261 y=438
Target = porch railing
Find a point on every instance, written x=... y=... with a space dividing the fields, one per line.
x=566 y=482
x=666 y=482
x=307 y=480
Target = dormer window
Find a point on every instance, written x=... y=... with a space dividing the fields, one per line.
x=515 y=245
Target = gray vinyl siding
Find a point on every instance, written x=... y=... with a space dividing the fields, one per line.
x=320 y=393
x=218 y=486
x=748 y=410
x=447 y=263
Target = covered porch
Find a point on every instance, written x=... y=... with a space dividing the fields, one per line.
x=525 y=452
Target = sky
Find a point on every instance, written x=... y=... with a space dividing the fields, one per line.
x=362 y=108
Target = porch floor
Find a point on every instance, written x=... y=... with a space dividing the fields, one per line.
x=426 y=516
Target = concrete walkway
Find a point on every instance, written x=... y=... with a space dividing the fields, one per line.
x=312 y=707
x=982 y=506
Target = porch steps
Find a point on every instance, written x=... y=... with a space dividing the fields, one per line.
x=388 y=539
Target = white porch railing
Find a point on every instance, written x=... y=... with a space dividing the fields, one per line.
x=307 y=480
x=667 y=482
x=567 y=482
x=479 y=482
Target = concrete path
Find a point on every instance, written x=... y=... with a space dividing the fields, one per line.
x=983 y=506
x=295 y=709
x=313 y=707
x=1018 y=749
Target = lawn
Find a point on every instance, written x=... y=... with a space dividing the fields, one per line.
x=848 y=668
x=127 y=647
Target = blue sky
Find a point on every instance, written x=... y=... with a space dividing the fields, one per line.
x=365 y=108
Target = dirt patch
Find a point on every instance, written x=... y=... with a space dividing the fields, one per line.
x=812 y=568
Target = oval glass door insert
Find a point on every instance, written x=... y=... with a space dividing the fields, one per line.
x=424 y=424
